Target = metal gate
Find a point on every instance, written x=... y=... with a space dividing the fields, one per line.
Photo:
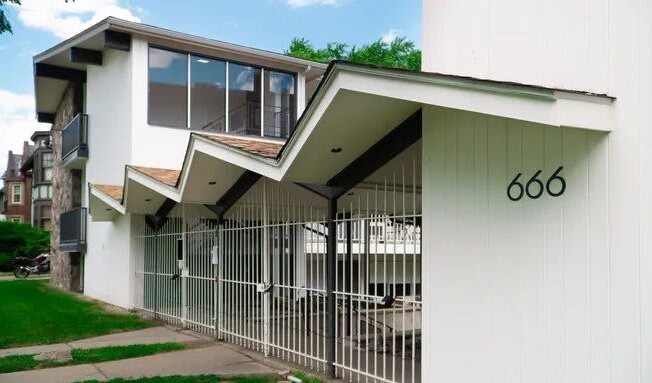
x=260 y=278
x=176 y=273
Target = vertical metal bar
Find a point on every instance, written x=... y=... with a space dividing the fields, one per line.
x=331 y=260
x=220 y=277
x=266 y=274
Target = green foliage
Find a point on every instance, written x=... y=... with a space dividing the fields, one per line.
x=104 y=354
x=33 y=312
x=15 y=363
x=400 y=53
x=5 y=25
x=21 y=240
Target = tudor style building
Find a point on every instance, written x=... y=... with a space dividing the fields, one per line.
x=16 y=206
x=293 y=208
x=39 y=164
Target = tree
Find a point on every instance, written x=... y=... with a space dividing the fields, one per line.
x=21 y=240
x=5 y=25
x=400 y=53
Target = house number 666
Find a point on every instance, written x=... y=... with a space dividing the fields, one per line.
x=534 y=187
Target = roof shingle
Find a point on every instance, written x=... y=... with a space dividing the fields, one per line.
x=113 y=191
x=261 y=148
x=166 y=176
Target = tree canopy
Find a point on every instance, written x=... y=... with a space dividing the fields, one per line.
x=400 y=53
x=21 y=240
x=5 y=25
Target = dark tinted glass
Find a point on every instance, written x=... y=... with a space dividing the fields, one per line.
x=244 y=99
x=207 y=94
x=168 y=88
x=280 y=104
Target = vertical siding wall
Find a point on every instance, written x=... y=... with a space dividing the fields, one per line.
x=520 y=291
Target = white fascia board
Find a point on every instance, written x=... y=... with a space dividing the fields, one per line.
x=541 y=106
x=150 y=183
x=112 y=203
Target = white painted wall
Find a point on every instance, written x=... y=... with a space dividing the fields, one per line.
x=107 y=269
x=534 y=316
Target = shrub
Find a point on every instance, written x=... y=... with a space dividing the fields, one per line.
x=21 y=240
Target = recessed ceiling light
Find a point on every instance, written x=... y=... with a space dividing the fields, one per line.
x=212 y=182
x=147 y=199
x=203 y=61
x=108 y=209
x=336 y=150
x=349 y=193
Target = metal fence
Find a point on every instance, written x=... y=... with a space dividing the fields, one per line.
x=259 y=277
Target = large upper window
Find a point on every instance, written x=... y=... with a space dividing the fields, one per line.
x=189 y=91
x=207 y=94
x=244 y=99
x=168 y=88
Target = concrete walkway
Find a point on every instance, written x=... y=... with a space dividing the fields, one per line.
x=145 y=336
x=214 y=359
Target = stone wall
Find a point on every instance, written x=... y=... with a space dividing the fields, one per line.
x=66 y=194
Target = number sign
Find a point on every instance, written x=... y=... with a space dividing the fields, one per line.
x=534 y=187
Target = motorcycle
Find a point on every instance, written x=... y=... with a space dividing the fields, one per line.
x=24 y=266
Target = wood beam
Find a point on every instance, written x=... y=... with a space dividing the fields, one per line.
x=157 y=220
x=59 y=73
x=400 y=138
x=45 y=117
x=235 y=192
x=117 y=40
x=85 y=56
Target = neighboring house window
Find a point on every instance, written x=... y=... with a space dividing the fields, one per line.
x=47 y=167
x=188 y=91
x=16 y=194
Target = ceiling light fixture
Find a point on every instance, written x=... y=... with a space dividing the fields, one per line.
x=336 y=150
x=212 y=183
x=147 y=199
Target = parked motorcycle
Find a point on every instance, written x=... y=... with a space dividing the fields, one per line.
x=24 y=266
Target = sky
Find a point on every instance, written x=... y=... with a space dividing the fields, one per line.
x=264 y=24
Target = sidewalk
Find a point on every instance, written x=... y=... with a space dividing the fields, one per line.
x=215 y=359
x=145 y=336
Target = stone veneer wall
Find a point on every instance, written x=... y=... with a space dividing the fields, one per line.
x=66 y=194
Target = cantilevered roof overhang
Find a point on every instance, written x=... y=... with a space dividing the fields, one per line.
x=354 y=108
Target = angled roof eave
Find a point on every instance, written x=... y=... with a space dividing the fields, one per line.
x=107 y=199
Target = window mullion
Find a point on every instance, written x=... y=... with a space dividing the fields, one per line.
x=262 y=102
x=226 y=100
x=188 y=121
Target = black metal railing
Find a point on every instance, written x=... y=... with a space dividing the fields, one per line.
x=72 y=234
x=245 y=119
x=75 y=137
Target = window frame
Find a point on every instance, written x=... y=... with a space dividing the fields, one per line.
x=13 y=194
x=263 y=69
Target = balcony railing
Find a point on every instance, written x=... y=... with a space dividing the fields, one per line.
x=72 y=235
x=74 y=147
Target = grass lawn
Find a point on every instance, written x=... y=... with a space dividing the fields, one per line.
x=33 y=312
x=91 y=355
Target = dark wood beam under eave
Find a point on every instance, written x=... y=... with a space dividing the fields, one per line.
x=59 y=73
x=156 y=221
x=391 y=145
x=45 y=117
x=85 y=56
x=117 y=40
x=235 y=192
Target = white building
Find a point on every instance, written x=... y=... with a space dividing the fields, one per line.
x=527 y=260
